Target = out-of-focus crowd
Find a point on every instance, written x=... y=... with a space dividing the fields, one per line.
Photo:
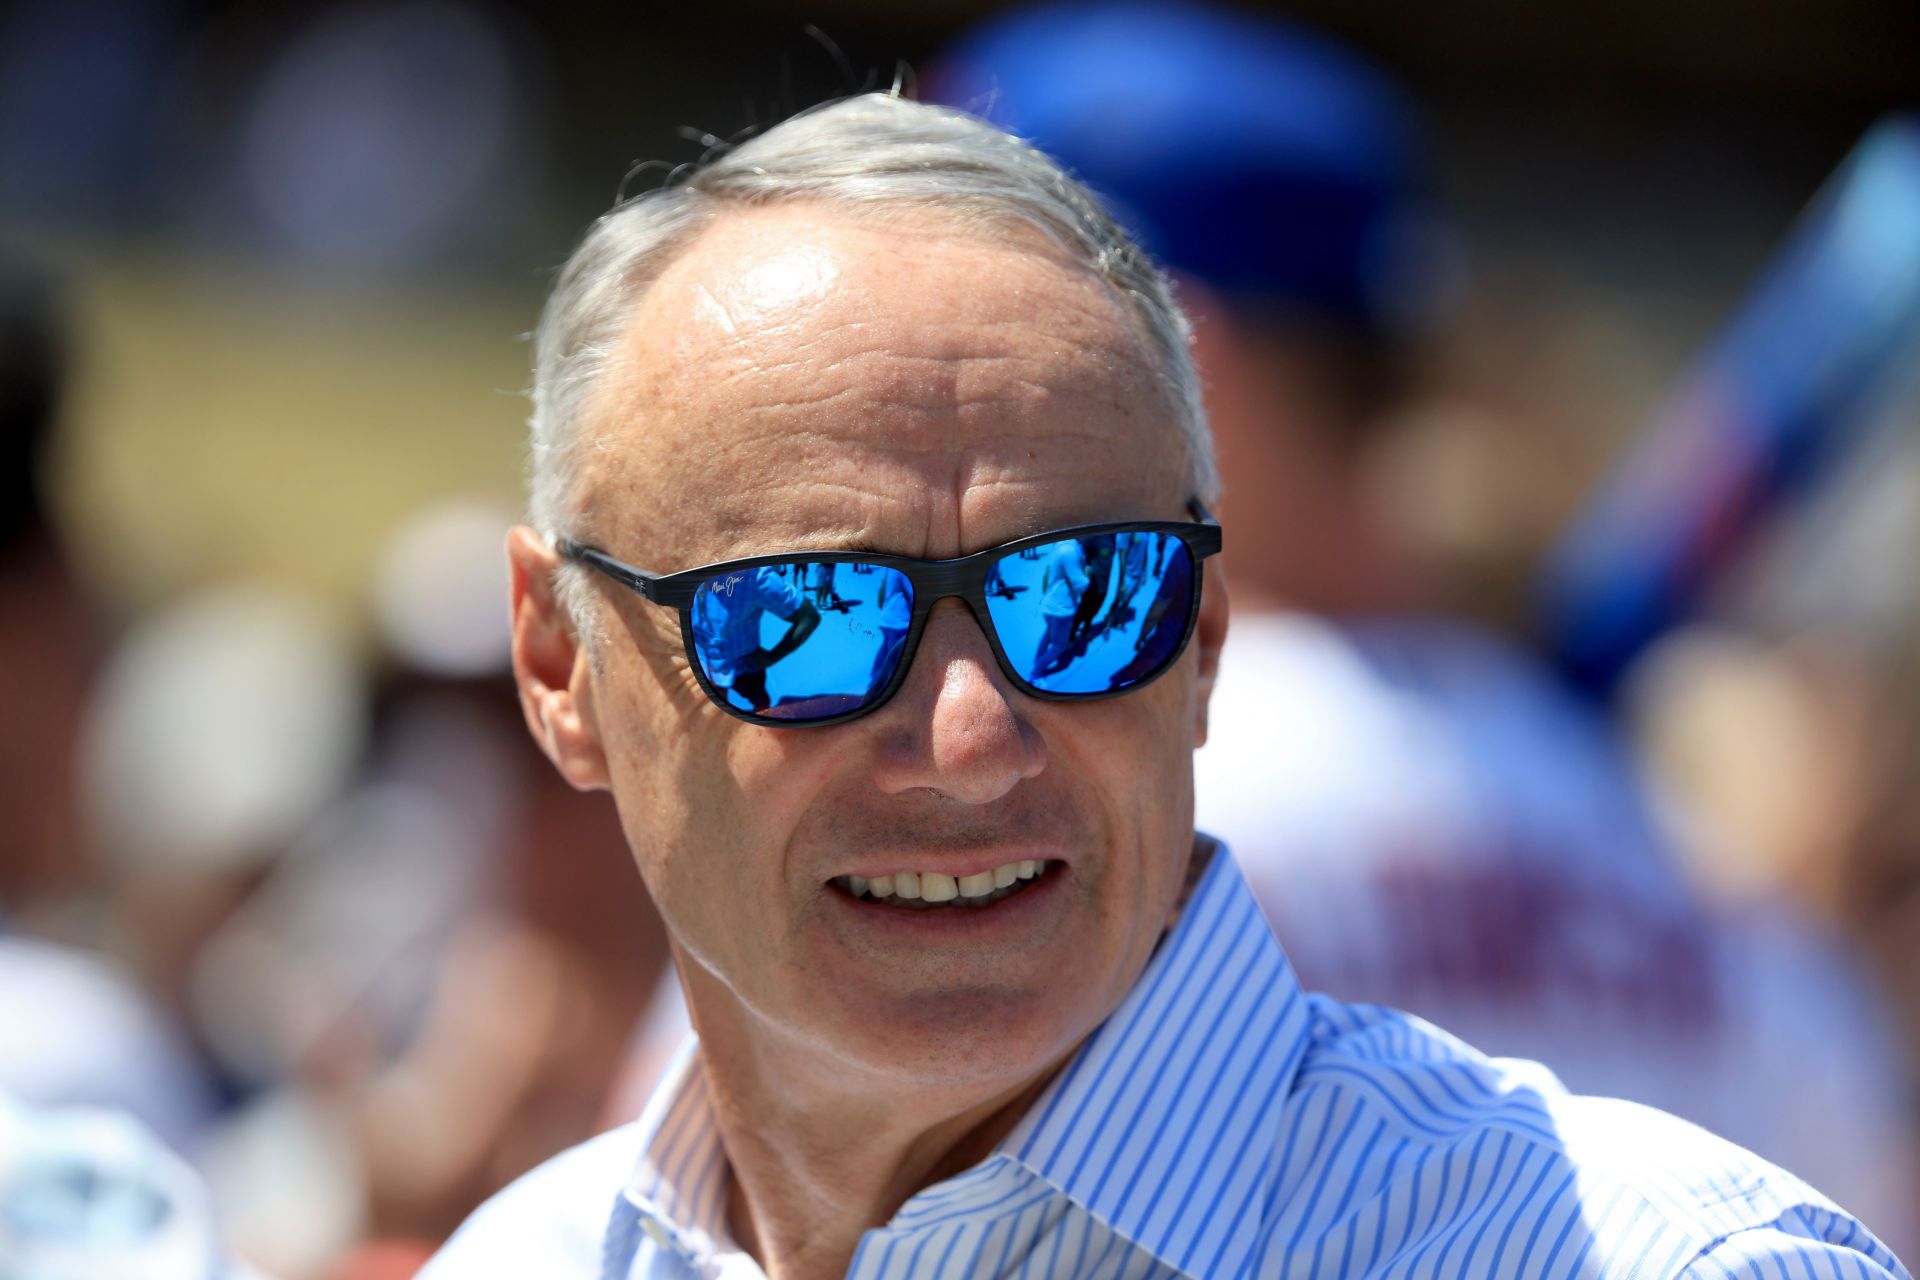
x=319 y=917
x=305 y=950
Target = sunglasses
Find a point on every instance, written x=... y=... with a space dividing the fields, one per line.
x=810 y=638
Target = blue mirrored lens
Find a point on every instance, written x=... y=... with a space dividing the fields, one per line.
x=801 y=641
x=1093 y=615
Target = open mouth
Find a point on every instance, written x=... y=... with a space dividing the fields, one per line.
x=932 y=890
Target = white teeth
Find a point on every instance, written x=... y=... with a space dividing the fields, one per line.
x=983 y=888
x=976 y=886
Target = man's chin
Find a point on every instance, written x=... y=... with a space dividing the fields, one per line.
x=982 y=1039
x=991 y=994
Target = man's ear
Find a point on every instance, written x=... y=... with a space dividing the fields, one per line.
x=1209 y=634
x=551 y=666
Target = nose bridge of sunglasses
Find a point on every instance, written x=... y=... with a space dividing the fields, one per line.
x=949 y=610
x=967 y=583
x=952 y=579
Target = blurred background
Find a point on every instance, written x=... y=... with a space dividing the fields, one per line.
x=1627 y=444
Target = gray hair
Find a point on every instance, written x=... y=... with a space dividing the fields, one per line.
x=876 y=150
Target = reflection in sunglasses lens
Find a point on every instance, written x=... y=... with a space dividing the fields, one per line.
x=801 y=641
x=1092 y=615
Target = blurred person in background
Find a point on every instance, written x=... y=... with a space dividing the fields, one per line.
x=91 y=1194
x=418 y=956
x=1742 y=582
x=1882 y=898
x=223 y=725
x=76 y=1028
x=532 y=1004
x=101 y=1092
x=324 y=900
x=1429 y=819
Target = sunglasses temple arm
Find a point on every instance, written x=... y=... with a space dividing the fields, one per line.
x=624 y=574
x=1209 y=541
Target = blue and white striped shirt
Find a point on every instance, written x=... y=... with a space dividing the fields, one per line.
x=1221 y=1123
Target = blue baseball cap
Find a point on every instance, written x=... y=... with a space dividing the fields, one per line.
x=1265 y=159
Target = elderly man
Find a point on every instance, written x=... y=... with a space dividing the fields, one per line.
x=973 y=998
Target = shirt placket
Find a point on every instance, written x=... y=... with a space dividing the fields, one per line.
x=635 y=1226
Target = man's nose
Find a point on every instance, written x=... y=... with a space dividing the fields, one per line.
x=957 y=725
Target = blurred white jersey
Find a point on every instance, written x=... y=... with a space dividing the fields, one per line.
x=1432 y=823
x=75 y=1032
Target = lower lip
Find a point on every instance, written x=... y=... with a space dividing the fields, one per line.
x=962 y=923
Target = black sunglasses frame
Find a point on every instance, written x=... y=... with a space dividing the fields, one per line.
x=964 y=578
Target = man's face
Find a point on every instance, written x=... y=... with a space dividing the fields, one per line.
x=801 y=378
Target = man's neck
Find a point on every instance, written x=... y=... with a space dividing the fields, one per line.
x=819 y=1157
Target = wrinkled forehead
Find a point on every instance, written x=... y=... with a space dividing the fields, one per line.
x=799 y=376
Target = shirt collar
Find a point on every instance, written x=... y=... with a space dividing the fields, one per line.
x=1149 y=1127
x=680 y=1183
